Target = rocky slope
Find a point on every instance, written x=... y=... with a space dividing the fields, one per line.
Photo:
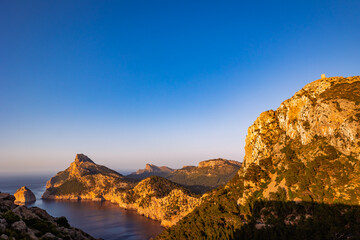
x=199 y=179
x=160 y=199
x=24 y=195
x=151 y=170
x=301 y=174
x=154 y=197
x=20 y=222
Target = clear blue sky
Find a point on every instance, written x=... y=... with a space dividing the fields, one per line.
x=165 y=82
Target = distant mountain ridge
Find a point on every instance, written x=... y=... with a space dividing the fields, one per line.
x=209 y=174
x=151 y=170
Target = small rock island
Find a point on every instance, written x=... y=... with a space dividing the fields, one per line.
x=24 y=195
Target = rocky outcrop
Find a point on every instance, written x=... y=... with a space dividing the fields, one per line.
x=24 y=195
x=154 y=197
x=20 y=222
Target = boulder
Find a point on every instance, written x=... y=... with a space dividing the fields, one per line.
x=24 y=195
x=19 y=226
x=49 y=236
x=3 y=236
x=24 y=212
x=2 y=228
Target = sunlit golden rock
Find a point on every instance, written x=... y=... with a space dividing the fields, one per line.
x=24 y=195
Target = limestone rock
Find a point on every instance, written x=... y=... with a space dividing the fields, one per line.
x=19 y=226
x=301 y=169
x=24 y=212
x=48 y=236
x=4 y=236
x=22 y=215
x=2 y=227
x=307 y=144
x=24 y=195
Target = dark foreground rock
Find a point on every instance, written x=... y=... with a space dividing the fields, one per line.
x=21 y=222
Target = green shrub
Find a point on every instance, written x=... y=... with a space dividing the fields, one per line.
x=11 y=217
x=63 y=222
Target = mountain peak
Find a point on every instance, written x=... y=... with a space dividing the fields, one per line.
x=82 y=158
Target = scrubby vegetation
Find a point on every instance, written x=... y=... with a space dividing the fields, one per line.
x=349 y=91
x=217 y=218
x=72 y=186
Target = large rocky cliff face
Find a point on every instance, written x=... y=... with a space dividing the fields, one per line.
x=154 y=197
x=300 y=178
x=309 y=146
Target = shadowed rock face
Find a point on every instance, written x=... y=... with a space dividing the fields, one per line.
x=24 y=195
x=20 y=222
x=301 y=173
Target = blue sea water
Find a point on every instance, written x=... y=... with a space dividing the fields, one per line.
x=100 y=219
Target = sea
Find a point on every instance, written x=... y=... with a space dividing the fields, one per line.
x=104 y=220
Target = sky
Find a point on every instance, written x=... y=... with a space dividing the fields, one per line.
x=164 y=82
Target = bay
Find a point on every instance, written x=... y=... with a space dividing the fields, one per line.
x=100 y=219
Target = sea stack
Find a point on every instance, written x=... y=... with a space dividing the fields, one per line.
x=24 y=195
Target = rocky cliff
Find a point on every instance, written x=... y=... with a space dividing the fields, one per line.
x=20 y=222
x=301 y=174
x=309 y=146
x=154 y=197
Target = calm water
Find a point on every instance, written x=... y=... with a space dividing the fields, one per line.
x=105 y=220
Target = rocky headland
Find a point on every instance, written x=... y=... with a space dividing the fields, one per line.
x=86 y=180
x=154 y=197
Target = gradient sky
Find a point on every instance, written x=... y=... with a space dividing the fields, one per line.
x=163 y=82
